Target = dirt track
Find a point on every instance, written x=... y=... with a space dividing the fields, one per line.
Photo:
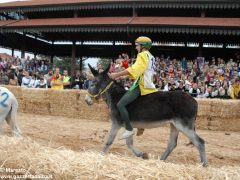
x=223 y=148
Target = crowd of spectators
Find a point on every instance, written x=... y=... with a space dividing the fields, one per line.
x=214 y=78
x=32 y=73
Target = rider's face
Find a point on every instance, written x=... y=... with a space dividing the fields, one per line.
x=138 y=47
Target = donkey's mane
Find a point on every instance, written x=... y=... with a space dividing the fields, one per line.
x=118 y=87
x=116 y=91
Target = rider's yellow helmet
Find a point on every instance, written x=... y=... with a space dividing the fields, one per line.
x=144 y=41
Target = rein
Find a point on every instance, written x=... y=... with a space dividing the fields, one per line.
x=100 y=93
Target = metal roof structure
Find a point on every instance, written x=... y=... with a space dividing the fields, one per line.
x=56 y=5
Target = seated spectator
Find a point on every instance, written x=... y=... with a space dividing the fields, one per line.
x=160 y=85
x=78 y=80
x=43 y=67
x=2 y=67
x=125 y=61
x=20 y=76
x=3 y=78
x=34 y=82
x=66 y=80
x=179 y=72
x=211 y=74
x=189 y=81
x=48 y=77
x=220 y=73
x=221 y=91
x=170 y=85
x=42 y=82
x=202 y=92
x=181 y=86
x=235 y=89
x=211 y=82
x=184 y=64
x=194 y=91
x=88 y=82
x=170 y=71
x=57 y=80
x=26 y=79
x=210 y=93
x=19 y=63
x=13 y=80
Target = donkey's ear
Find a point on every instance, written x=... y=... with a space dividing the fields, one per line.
x=107 y=69
x=94 y=72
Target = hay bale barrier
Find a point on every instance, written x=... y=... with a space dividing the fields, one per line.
x=63 y=164
x=213 y=114
x=68 y=103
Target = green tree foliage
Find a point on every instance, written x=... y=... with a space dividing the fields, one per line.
x=63 y=62
x=104 y=62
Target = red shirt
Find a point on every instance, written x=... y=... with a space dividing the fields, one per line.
x=55 y=78
x=125 y=63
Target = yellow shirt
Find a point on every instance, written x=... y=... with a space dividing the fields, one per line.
x=138 y=69
x=66 y=79
x=58 y=80
x=221 y=78
x=234 y=91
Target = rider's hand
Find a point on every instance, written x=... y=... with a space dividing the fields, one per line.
x=113 y=76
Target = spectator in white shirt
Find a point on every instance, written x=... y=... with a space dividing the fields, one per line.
x=34 y=82
x=26 y=79
x=194 y=90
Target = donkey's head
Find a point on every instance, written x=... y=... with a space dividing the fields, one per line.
x=100 y=84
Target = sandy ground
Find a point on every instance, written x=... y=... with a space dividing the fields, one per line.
x=223 y=148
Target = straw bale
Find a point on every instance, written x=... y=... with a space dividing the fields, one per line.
x=62 y=95
x=37 y=106
x=202 y=122
x=224 y=124
x=204 y=107
x=65 y=164
x=34 y=94
x=21 y=105
x=225 y=108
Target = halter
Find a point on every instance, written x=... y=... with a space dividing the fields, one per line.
x=100 y=93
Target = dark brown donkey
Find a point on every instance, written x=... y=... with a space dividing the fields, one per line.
x=149 y=111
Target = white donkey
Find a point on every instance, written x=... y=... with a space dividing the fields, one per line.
x=8 y=110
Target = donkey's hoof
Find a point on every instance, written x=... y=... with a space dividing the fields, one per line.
x=102 y=153
x=205 y=164
x=145 y=156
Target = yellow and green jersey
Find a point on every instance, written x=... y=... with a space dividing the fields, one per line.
x=143 y=70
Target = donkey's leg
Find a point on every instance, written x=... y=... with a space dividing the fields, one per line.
x=172 y=142
x=113 y=132
x=1 y=124
x=11 y=120
x=196 y=140
x=129 y=142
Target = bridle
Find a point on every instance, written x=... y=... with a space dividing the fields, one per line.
x=103 y=91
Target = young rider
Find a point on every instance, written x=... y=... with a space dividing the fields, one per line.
x=142 y=71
